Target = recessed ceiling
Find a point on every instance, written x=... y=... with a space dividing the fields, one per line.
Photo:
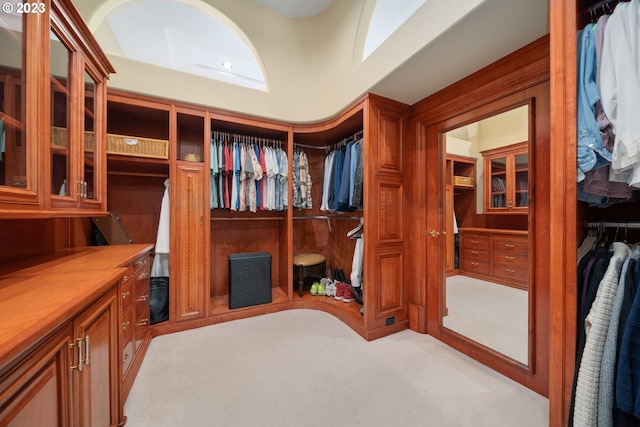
x=186 y=38
x=296 y=8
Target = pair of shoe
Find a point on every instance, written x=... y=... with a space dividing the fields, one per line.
x=343 y=292
x=317 y=288
x=329 y=286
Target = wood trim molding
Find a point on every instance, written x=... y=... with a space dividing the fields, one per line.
x=563 y=54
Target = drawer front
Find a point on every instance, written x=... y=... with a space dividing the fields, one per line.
x=126 y=292
x=479 y=267
x=141 y=265
x=514 y=245
x=475 y=241
x=475 y=254
x=142 y=325
x=141 y=284
x=127 y=339
x=510 y=259
x=511 y=272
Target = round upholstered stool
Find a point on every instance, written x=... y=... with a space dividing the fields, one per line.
x=308 y=266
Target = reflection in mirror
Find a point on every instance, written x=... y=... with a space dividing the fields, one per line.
x=13 y=155
x=486 y=204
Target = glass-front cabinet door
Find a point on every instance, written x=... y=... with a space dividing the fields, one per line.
x=91 y=152
x=506 y=182
x=61 y=63
x=17 y=174
x=52 y=114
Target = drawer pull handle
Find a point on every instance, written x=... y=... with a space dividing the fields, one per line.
x=143 y=298
x=125 y=357
x=143 y=322
x=125 y=295
x=143 y=276
x=506 y=245
x=474 y=252
x=510 y=258
x=125 y=325
x=475 y=242
x=508 y=270
x=475 y=264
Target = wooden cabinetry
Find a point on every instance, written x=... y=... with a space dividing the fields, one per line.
x=460 y=201
x=506 y=178
x=500 y=256
x=189 y=299
x=55 y=92
x=134 y=320
x=69 y=379
x=96 y=401
x=38 y=392
x=189 y=191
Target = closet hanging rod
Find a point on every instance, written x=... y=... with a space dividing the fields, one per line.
x=315 y=147
x=608 y=224
x=355 y=218
x=245 y=138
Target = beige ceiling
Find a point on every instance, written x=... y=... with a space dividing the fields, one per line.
x=313 y=65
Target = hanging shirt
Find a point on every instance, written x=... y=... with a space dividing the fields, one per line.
x=352 y=171
x=358 y=188
x=620 y=86
x=343 y=193
x=213 y=172
x=259 y=174
x=305 y=182
x=263 y=182
x=591 y=154
x=283 y=163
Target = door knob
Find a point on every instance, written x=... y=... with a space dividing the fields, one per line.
x=433 y=233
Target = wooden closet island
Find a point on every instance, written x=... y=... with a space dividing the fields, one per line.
x=63 y=335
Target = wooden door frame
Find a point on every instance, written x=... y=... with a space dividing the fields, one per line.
x=510 y=76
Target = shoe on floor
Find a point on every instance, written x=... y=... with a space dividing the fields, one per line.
x=320 y=290
x=348 y=296
x=339 y=291
x=329 y=287
x=357 y=292
x=314 y=288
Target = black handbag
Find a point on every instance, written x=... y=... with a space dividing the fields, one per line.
x=158 y=300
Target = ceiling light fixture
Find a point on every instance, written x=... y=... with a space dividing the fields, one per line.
x=227 y=65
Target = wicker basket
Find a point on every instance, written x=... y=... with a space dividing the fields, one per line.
x=59 y=139
x=117 y=144
x=139 y=147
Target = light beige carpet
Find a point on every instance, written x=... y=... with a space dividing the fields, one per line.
x=306 y=368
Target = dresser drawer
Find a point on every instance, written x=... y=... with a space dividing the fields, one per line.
x=475 y=254
x=510 y=259
x=511 y=272
x=126 y=293
x=141 y=265
x=127 y=338
x=478 y=267
x=475 y=241
x=514 y=245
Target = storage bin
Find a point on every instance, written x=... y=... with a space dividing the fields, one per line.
x=463 y=181
x=122 y=145
x=139 y=147
x=249 y=279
